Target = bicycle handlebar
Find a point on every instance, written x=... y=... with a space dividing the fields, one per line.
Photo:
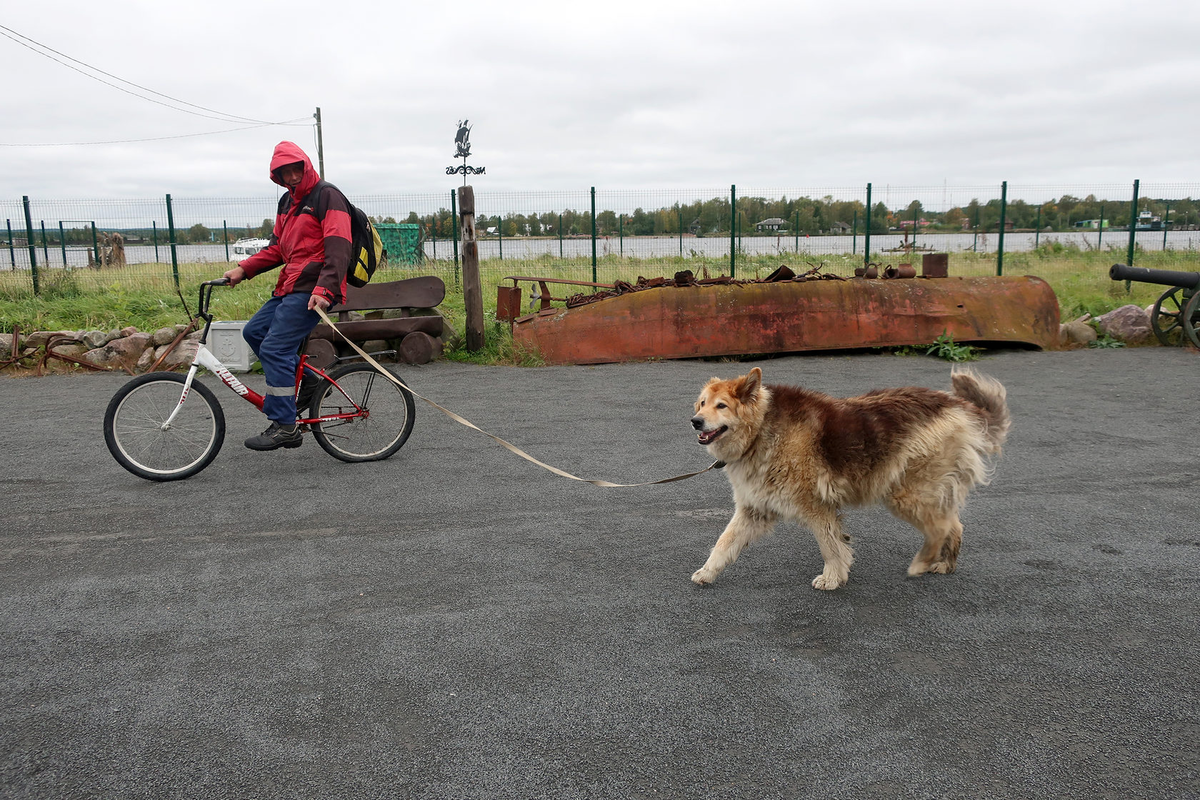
x=206 y=290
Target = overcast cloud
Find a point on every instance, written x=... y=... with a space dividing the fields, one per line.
x=618 y=95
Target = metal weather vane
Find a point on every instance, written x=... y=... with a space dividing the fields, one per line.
x=462 y=146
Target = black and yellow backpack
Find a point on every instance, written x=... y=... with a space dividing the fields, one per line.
x=366 y=248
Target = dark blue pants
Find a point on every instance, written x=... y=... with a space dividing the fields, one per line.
x=275 y=334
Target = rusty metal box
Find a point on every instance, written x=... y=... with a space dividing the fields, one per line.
x=935 y=265
x=508 y=303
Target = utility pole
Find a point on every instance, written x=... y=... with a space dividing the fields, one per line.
x=320 y=145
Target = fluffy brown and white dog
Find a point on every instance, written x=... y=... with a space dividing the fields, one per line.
x=795 y=454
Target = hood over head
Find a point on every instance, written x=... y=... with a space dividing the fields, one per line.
x=290 y=153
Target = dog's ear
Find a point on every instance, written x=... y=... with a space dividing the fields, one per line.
x=748 y=385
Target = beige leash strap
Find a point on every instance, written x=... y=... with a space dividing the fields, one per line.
x=508 y=446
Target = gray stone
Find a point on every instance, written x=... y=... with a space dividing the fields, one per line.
x=146 y=360
x=180 y=357
x=163 y=336
x=39 y=338
x=95 y=339
x=71 y=349
x=121 y=352
x=1076 y=332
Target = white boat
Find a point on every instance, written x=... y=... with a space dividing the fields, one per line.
x=248 y=247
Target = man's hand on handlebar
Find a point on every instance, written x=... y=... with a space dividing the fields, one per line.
x=235 y=276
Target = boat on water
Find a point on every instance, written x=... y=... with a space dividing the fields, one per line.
x=248 y=247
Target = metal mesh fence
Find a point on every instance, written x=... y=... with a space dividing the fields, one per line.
x=603 y=235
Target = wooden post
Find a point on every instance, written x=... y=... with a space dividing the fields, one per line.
x=472 y=287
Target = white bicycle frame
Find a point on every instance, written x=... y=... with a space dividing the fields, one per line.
x=205 y=358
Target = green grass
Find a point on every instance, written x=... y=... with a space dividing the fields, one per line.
x=144 y=296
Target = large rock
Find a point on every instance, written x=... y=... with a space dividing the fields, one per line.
x=179 y=358
x=1129 y=323
x=95 y=339
x=123 y=352
x=163 y=336
x=72 y=349
x=39 y=338
x=1076 y=332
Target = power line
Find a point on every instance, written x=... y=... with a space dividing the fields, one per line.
x=33 y=45
x=154 y=138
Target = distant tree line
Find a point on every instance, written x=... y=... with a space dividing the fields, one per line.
x=810 y=216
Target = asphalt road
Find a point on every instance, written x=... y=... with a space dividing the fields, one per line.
x=457 y=623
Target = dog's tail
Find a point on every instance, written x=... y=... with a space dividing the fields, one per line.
x=988 y=395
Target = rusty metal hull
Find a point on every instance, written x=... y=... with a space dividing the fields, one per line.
x=759 y=318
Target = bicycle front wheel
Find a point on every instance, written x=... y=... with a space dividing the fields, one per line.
x=378 y=431
x=138 y=437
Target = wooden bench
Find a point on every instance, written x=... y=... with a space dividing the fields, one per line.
x=397 y=310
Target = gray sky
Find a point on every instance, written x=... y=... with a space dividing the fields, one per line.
x=617 y=95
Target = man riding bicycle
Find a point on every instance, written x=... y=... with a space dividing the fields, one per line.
x=311 y=241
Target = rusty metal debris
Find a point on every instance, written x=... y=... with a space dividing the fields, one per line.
x=15 y=355
x=61 y=339
x=686 y=316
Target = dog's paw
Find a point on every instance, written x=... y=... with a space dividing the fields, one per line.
x=827 y=582
x=703 y=576
x=937 y=567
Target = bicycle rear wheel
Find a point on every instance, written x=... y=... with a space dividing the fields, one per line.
x=383 y=428
x=138 y=439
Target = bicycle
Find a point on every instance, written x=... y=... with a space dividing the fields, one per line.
x=164 y=426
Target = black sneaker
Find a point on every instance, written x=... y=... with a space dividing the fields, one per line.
x=275 y=437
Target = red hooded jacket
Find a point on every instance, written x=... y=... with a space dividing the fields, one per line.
x=311 y=242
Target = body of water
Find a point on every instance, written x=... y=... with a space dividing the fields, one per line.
x=884 y=246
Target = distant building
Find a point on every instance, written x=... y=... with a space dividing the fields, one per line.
x=1091 y=224
x=841 y=227
x=772 y=224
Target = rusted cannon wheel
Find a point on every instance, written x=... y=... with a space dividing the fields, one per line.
x=1191 y=320
x=1168 y=316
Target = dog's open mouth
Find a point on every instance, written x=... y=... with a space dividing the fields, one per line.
x=708 y=437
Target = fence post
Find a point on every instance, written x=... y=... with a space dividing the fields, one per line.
x=454 y=230
x=679 y=214
x=593 y=236
x=500 y=233
x=854 y=234
x=45 y=246
x=1100 y=235
x=1037 y=228
x=796 y=230
x=1003 y=213
x=12 y=256
x=1165 y=221
x=1133 y=211
x=867 y=232
x=154 y=223
x=732 y=228
x=975 y=243
x=621 y=234
x=95 y=245
x=171 y=235
x=62 y=241
x=472 y=287
x=225 y=236
x=32 y=245
x=560 y=245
